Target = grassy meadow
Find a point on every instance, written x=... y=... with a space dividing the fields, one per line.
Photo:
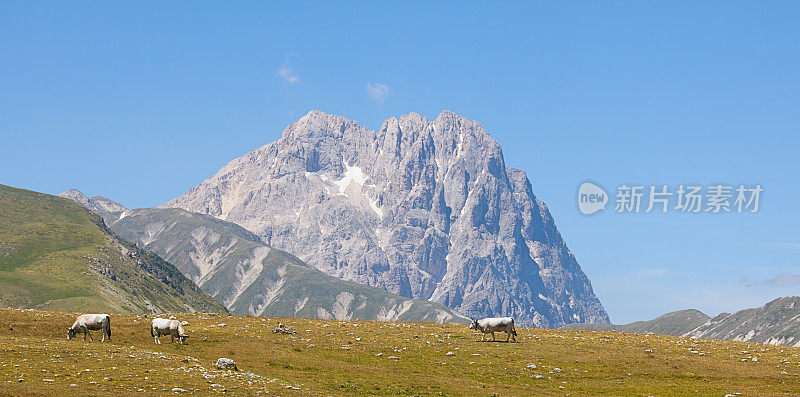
x=374 y=358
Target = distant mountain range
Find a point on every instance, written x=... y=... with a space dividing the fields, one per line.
x=776 y=323
x=426 y=209
x=675 y=323
x=251 y=278
x=56 y=255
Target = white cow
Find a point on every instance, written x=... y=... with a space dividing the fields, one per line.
x=163 y=326
x=495 y=324
x=86 y=322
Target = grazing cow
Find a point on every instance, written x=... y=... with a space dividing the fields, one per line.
x=86 y=322
x=163 y=326
x=495 y=324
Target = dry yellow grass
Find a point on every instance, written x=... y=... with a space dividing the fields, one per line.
x=334 y=358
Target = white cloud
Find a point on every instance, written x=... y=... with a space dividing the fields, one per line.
x=653 y=272
x=783 y=245
x=287 y=73
x=780 y=280
x=377 y=91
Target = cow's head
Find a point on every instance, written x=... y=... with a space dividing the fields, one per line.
x=473 y=324
x=70 y=333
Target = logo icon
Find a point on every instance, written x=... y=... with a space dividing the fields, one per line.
x=591 y=198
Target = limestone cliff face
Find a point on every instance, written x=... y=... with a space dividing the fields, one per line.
x=425 y=209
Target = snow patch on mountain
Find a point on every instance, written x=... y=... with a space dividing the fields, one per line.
x=351 y=174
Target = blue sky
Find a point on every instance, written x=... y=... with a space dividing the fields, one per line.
x=141 y=102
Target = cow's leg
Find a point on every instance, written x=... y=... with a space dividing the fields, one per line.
x=90 y=335
x=492 y=336
x=172 y=339
x=483 y=337
x=508 y=337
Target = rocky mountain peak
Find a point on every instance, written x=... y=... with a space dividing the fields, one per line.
x=319 y=125
x=95 y=204
x=425 y=209
x=76 y=195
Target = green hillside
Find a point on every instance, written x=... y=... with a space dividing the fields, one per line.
x=675 y=323
x=56 y=255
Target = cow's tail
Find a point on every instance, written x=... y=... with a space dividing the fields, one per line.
x=151 y=331
x=108 y=318
x=513 y=328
